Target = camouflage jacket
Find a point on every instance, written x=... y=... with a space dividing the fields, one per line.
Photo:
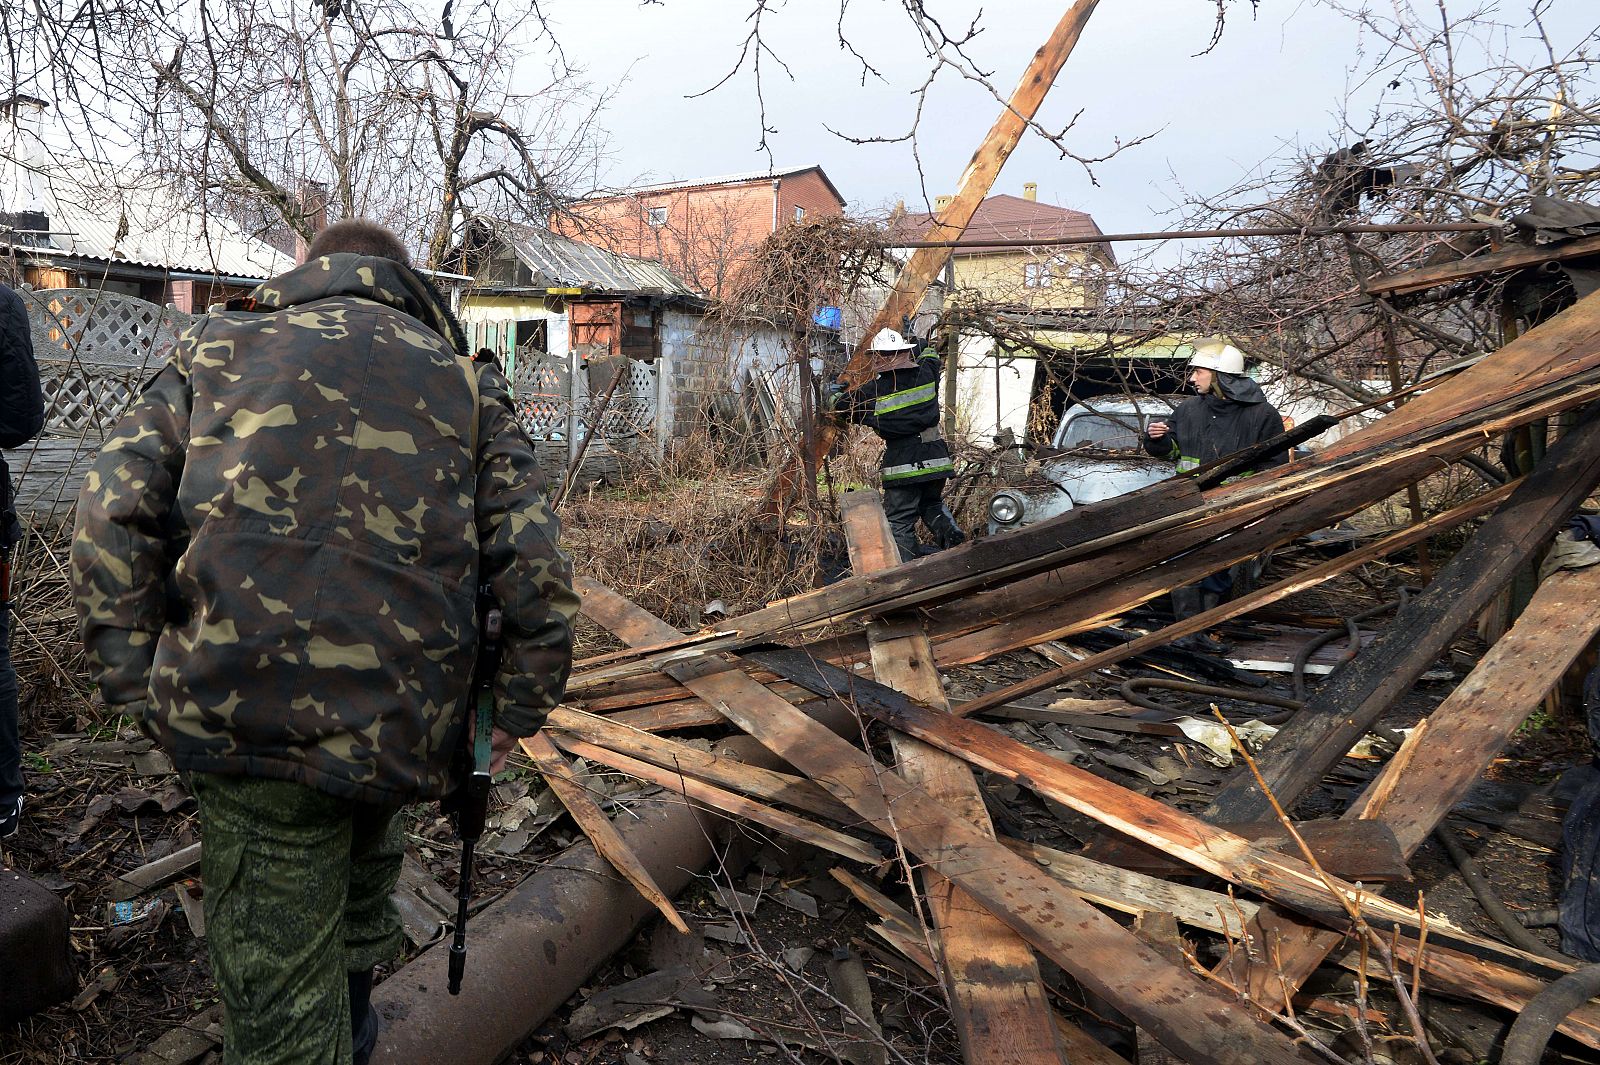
x=277 y=549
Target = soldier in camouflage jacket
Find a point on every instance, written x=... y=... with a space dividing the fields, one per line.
x=275 y=565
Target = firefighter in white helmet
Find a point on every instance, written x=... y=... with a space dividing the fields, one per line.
x=901 y=405
x=1230 y=413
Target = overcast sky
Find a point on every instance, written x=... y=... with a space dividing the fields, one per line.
x=1276 y=84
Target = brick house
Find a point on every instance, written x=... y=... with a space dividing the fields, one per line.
x=704 y=229
x=1032 y=278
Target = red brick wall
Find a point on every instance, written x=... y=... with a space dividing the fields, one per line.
x=710 y=231
x=809 y=191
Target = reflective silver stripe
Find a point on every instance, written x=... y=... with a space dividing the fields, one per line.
x=916 y=469
x=1187 y=463
x=909 y=397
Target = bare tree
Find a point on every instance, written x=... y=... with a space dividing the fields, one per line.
x=410 y=115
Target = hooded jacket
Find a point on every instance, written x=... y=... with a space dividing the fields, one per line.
x=1207 y=427
x=901 y=405
x=21 y=399
x=278 y=549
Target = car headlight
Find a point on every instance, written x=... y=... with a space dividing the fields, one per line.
x=1005 y=508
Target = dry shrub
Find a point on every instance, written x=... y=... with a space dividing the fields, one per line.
x=52 y=676
x=676 y=535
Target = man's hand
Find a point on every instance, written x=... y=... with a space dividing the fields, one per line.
x=501 y=743
x=1156 y=430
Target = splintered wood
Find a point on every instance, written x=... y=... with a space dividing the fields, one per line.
x=1273 y=899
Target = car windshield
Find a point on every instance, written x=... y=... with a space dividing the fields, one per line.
x=1113 y=432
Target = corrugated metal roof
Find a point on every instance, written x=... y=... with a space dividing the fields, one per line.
x=149 y=225
x=560 y=262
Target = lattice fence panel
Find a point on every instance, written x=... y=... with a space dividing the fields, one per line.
x=632 y=410
x=84 y=401
x=104 y=328
x=95 y=349
x=542 y=385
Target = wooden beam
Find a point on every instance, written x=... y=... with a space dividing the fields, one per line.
x=925 y=263
x=976 y=180
x=1188 y=1014
x=1444 y=969
x=1280 y=877
x=997 y=997
x=558 y=773
x=1356 y=695
x=1516 y=258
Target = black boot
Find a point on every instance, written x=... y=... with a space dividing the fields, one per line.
x=363 y=1018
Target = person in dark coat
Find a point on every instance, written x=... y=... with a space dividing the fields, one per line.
x=1229 y=414
x=21 y=418
x=901 y=405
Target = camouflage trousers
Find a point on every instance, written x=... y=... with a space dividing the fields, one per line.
x=297 y=885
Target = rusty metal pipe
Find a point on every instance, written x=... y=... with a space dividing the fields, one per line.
x=534 y=947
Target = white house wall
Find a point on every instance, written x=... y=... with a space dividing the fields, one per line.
x=992 y=392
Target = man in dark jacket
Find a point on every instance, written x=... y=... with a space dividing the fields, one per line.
x=21 y=418
x=901 y=405
x=276 y=566
x=1230 y=414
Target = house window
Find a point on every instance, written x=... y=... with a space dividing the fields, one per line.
x=799 y=213
x=657 y=216
x=1036 y=275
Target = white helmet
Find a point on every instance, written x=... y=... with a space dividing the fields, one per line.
x=1217 y=353
x=891 y=340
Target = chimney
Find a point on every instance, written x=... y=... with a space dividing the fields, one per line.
x=23 y=154
x=313 y=197
x=1030 y=191
x=941 y=202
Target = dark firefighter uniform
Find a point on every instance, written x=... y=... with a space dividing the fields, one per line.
x=901 y=405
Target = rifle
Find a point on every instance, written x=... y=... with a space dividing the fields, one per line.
x=468 y=802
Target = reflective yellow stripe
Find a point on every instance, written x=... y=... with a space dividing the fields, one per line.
x=909 y=397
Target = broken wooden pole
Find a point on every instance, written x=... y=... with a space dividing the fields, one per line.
x=976 y=180
x=558 y=774
x=991 y=978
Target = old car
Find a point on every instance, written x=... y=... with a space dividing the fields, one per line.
x=1095 y=454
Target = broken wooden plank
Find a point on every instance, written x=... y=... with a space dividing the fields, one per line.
x=596 y=825
x=997 y=997
x=1347 y=705
x=902 y=933
x=677 y=757
x=159 y=873
x=1283 y=878
x=1310 y=578
x=1188 y=1014
x=1353 y=850
x=727 y=802
x=1438 y=763
x=1444 y=969
x=1516 y=258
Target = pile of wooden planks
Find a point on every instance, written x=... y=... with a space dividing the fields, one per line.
x=874 y=643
